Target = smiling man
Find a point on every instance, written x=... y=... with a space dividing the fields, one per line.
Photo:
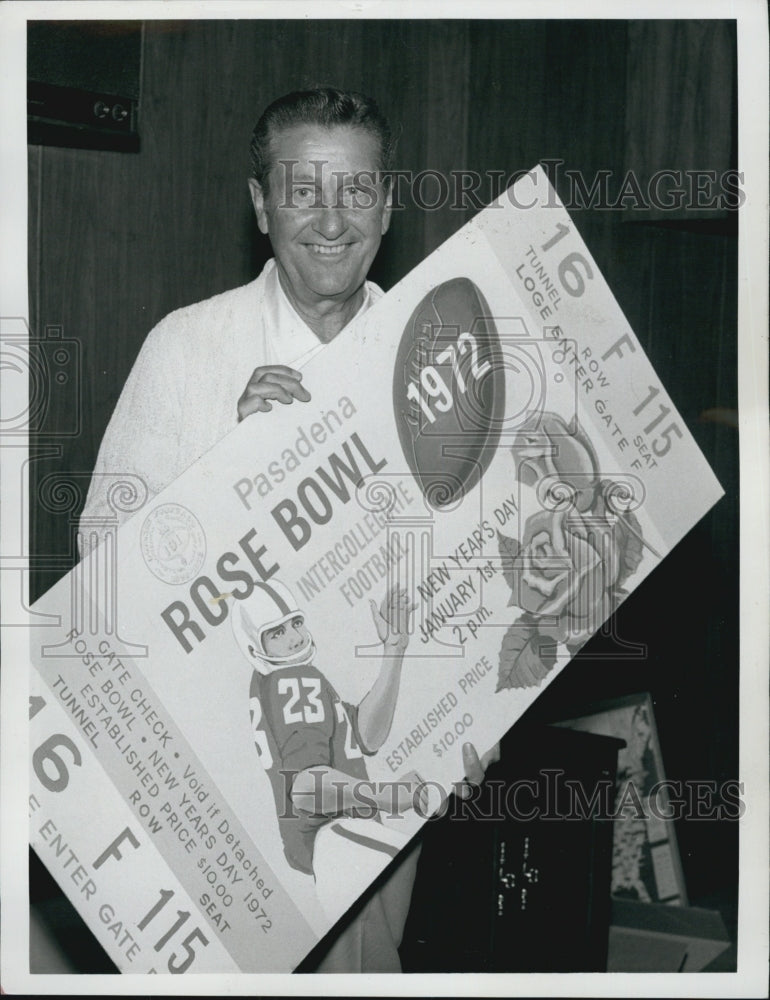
x=320 y=195
x=325 y=211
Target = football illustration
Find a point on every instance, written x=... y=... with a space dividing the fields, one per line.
x=449 y=391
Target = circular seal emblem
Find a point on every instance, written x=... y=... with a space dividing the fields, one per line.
x=173 y=543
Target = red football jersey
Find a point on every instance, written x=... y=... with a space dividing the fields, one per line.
x=299 y=721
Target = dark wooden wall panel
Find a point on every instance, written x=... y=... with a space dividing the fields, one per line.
x=681 y=85
x=507 y=95
x=445 y=121
x=34 y=162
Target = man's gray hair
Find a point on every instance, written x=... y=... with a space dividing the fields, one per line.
x=326 y=106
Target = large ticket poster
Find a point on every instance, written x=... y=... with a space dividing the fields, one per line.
x=249 y=698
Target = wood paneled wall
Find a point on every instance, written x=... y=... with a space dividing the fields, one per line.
x=118 y=240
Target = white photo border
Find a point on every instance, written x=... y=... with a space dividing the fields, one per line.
x=751 y=976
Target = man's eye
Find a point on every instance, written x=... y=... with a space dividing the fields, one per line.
x=357 y=196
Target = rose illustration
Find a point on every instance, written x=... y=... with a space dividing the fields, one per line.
x=566 y=570
x=545 y=446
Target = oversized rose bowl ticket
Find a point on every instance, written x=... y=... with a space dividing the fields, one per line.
x=249 y=698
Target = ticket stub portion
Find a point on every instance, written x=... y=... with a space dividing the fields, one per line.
x=106 y=863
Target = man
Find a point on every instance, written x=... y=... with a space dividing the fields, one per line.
x=320 y=195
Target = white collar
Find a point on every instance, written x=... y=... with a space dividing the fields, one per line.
x=289 y=340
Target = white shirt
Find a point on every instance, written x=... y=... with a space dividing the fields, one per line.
x=181 y=395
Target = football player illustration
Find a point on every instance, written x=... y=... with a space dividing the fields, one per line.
x=313 y=745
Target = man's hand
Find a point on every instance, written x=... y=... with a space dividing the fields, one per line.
x=271 y=382
x=475 y=768
x=391 y=619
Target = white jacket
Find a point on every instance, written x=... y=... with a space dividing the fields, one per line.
x=182 y=393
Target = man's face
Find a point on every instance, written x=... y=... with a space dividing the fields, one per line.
x=325 y=211
x=287 y=639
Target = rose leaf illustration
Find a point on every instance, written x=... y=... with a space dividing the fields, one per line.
x=630 y=544
x=526 y=657
x=628 y=531
x=574 y=647
x=508 y=549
